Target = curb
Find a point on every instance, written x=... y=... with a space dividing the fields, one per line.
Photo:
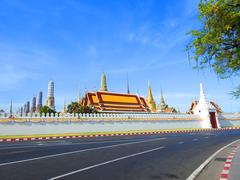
x=227 y=165
x=113 y=134
x=207 y=161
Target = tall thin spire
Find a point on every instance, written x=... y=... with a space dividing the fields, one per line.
x=79 y=98
x=11 y=108
x=103 y=83
x=64 y=106
x=128 y=89
x=150 y=99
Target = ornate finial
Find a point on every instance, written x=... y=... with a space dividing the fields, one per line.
x=150 y=99
x=103 y=83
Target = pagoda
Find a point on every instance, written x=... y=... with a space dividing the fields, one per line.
x=103 y=83
x=163 y=107
x=150 y=100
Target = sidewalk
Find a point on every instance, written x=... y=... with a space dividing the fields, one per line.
x=234 y=173
x=225 y=165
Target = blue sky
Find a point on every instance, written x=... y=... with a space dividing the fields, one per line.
x=72 y=42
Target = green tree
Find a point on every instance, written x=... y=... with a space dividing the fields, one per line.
x=46 y=109
x=75 y=107
x=217 y=42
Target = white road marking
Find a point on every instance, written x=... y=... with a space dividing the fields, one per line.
x=205 y=163
x=60 y=143
x=206 y=137
x=79 y=151
x=106 y=162
x=195 y=139
x=181 y=142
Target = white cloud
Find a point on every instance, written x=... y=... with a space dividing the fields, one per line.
x=18 y=63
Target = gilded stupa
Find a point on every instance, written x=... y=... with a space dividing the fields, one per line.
x=64 y=110
x=103 y=83
x=79 y=100
x=150 y=100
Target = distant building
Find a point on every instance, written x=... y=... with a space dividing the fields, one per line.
x=39 y=104
x=33 y=107
x=27 y=107
x=50 y=98
x=163 y=107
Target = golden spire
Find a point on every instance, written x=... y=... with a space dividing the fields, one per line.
x=103 y=83
x=150 y=99
x=79 y=98
x=64 y=106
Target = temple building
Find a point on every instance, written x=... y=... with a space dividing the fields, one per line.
x=163 y=107
x=104 y=101
x=50 y=98
x=118 y=102
x=150 y=100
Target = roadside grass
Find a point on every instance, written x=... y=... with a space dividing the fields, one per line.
x=98 y=133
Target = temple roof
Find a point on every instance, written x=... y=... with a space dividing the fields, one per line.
x=108 y=101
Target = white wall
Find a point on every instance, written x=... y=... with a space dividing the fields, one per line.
x=29 y=128
x=230 y=123
x=229 y=119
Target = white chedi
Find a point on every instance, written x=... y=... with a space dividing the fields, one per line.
x=203 y=108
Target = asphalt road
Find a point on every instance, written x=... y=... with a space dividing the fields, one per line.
x=143 y=157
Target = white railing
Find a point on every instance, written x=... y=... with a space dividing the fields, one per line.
x=98 y=116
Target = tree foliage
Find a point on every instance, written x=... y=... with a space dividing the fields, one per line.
x=217 y=42
x=75 y=107
x=46 y=109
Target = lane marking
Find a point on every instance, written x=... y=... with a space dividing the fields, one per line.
x=181 y=142
x=207 y=161
x=59 y=143
x=79 y=151
x=106 y=162
x=195 y=139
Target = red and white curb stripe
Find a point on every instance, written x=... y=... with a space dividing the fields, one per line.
x=113 y=134
x=227 y=165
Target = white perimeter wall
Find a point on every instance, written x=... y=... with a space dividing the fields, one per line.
x=29 y=128
x=229 y=120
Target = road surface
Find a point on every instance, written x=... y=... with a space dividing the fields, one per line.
x=143 y=157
